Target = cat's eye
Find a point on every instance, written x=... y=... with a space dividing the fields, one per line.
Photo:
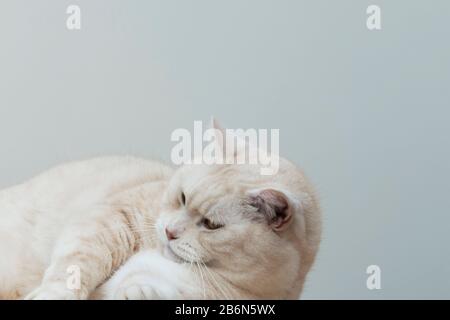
x=183 y=198
x=208 y=224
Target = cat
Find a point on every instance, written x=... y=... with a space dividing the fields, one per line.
x=137 y=229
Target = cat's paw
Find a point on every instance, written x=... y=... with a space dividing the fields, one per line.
x=53 y=292
x=136 y=292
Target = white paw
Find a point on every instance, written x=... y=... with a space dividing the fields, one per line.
x=53 y=292
x=136 y=292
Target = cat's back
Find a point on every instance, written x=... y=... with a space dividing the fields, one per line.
x=32 y=213
x=79 y=182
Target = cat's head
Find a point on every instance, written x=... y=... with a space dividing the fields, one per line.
x=242 y=223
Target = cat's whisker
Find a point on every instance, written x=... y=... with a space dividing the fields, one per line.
x=220 y=287
x=208 y=277
x=193 y=260
x=210 y=285
x=195 y=257
x=202 y=281
x=207 y=272
x=193 y=269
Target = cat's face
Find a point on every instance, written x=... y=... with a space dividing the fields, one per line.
x=222 y=215
x=243 y=224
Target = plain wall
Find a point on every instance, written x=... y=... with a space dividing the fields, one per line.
x=365 y=113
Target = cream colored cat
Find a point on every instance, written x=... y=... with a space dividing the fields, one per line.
x=137 y=230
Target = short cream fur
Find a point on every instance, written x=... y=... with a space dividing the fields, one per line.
x=111 y=218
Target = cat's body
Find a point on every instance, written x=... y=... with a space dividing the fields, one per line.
x=136 y=229
x=36 y=216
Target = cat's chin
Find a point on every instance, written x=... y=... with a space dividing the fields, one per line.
x=171 y=255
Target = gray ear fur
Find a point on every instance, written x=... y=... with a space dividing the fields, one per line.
x=274 y=205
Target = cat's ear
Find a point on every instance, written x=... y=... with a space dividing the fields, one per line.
x=238 y=146
x=219 y=134
x=216 y=125
x=276 y=206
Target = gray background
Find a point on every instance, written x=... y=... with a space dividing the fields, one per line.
x=365 y=113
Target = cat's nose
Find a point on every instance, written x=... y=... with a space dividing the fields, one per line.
x=170 y=235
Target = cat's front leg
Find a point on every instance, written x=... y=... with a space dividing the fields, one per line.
x=85 y=255
x=136 y=291
x=146 y=285
x=149 y=276
x=54 y=291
